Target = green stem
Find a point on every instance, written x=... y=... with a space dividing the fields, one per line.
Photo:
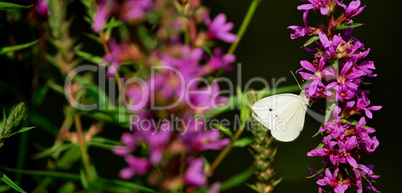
x=84 y=153
x=22 y=150
x=244 y=25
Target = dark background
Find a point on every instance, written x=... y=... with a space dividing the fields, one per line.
x=267 y=51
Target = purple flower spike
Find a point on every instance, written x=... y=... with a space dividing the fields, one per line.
x=336 y=75
x=218 y=28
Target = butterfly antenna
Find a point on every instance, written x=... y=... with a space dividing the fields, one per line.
x=296 y=80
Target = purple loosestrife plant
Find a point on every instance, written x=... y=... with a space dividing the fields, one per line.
x=173 y=61
x=336 y=75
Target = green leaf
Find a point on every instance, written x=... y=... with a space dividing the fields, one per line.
x=110 y=118
x=59 y=89
x=353 y=25
x=237 y=179
x=89 y=57
x=224 y=130
x=329 y=112
x=42 y=122
x=5 y=188
x=9 y=182
x=94 y=37
x=40 y=94
x=243 y=142
x=52 y=60
x=53 y=174
x=316 y=134
x=52 y=150
x=71 y=156
x=207 y=51
x=126 y=184
x=93 y=90
x=5 y=50
x=311 y=40
x=106 y=141
x=103 y=143
x=113 y=24
x=23 y=129
x=146 y=38
x=318 y=172
x=244 y=111
x=68 y=187
x=6 y=5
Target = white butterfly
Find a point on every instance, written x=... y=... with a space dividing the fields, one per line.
x=283 y=114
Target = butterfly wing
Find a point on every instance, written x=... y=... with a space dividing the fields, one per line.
x=290 y=121
x=267 y=109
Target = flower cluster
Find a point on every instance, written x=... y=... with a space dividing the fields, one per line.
x=173 y=66
x=128 y=10
x=336 y=75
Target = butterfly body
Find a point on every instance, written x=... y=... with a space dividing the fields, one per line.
x=283 y=114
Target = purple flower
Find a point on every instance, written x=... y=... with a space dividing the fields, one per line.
x=343 y=92
x=355 y=48
x=158 y=140
x=219 y=61
x=348 y=75
x=330 y=179
x=352 y=9
x=316 y=76
x=42 y=7
x=362 y=104
x=105 y=9
x=368 y=171
x=206 y=98
x=299 y=31
x=346 y=147
x=367 y=67
x=209 y=140
x=139 y=95
x=219 y=29
x=136 y=166
x=315 y=4
x=198 y=139
x=130 y=143
x=136 y=9
x=331 y=47
x=113 y=58
x=194 y=174
x=302 y=31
